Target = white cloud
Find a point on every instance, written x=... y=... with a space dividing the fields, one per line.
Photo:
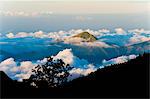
x=55 y=35
x=118 y=60
x=24 y=14
x=7 y=64
x=139 y=31
x=81 y=42
x=132 y=36
x=13 y=13
x=78 y=72
x=81 y=66
x=120 y=31
x=24 y=66
x=138 y=38
x=10 y=35
x=21 y=34
x=23 y=70
x=67 y=56
x=132 y=56
x=97 y=44
x=39 y=34
x=104 y=31
x=83 y=18
x=75 y=40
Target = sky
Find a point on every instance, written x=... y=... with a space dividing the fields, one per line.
x=73 y=14
x=76 y=6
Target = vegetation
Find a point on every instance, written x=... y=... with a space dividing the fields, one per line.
x=126 y=80
x=86 y=36
x=51 y=74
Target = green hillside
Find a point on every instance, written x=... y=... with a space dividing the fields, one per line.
x=87 y=36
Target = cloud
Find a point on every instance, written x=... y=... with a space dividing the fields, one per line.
x=138 y=38
x=13 y=13
x=118 y=60
x=78 y=72
x=137 y=31
x=132 y=56
x=67 y=56
x=83 y=18
x=25 y=14
x=10 y=35
x=75 y=40
x=21 y=35
x=81 y=42
x=23 y=69
x=97 y=44
x=104 y=35
x=120 y=31
x=39 y=34
x=104 y=31
x=82 y=67
x=7 y=64
x=63 y=36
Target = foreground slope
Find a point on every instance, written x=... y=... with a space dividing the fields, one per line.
x=129 y=79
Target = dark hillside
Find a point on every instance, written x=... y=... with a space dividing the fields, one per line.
x=129 y=79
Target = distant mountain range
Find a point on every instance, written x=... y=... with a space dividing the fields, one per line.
x=126 y=80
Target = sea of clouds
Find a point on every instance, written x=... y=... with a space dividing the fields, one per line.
x=22 y=70
x=104 y=35
x=118 y=37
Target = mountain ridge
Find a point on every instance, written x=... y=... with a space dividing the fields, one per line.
x=126 y=80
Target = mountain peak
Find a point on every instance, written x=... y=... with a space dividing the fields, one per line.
x=86 y=36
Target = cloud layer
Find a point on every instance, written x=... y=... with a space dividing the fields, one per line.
x=24 y=14
x=118 y=60
x=23 y=69
x=138 y=38
x=82 y=67
x=104 y=35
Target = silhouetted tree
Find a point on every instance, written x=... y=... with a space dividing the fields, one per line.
x=51 y=74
